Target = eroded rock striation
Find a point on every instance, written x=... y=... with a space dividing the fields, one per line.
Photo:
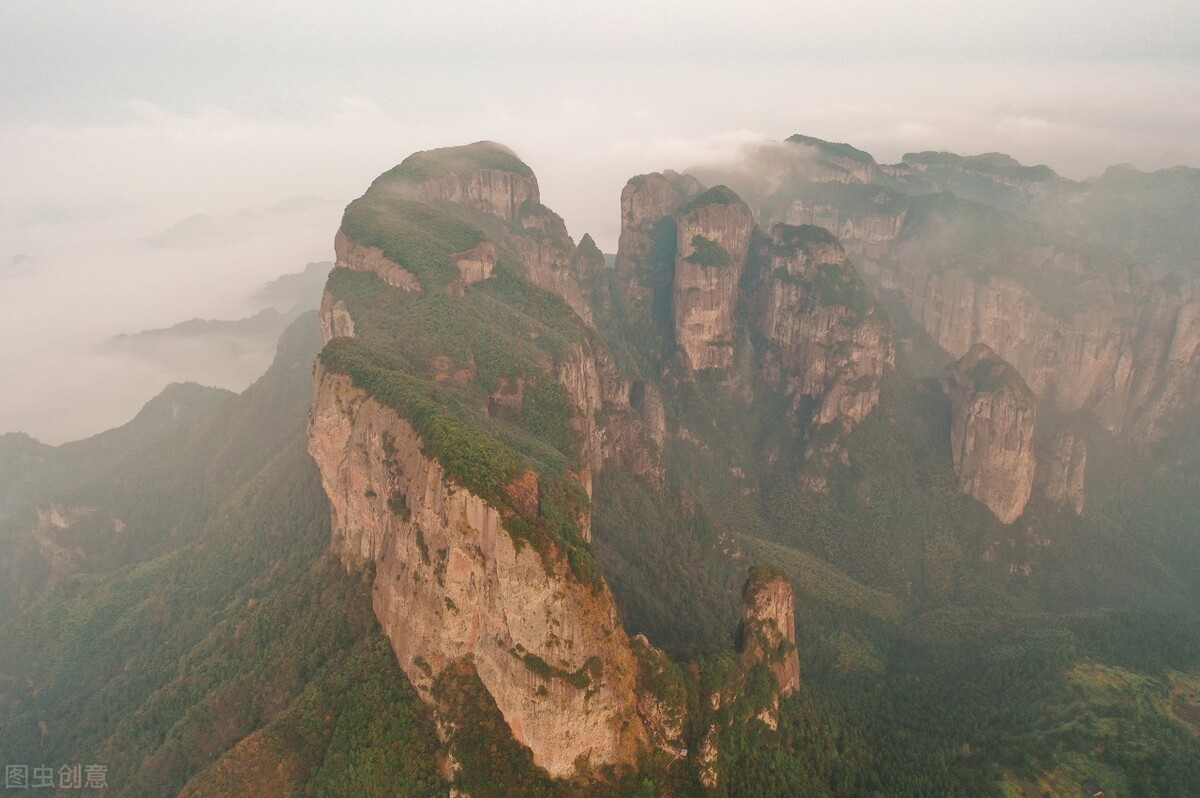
x=358 y=257
x=991 y=432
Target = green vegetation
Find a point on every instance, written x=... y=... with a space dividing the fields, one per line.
x=474 y=376
x=663 y=678
x=494 y=765
x=717 y=195
x=212 y=648
x=831 y=149
x=708 y=254
x=229 y=657
x=787 y=238
x=480 y=461
x=416 y=236
x=820 y=584
x=832 y=285
x=925 y=669
x=383 y=740
x=641 y=540
x=429 y=164
x=993 y=375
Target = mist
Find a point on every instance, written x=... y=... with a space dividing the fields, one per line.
x=163 y=165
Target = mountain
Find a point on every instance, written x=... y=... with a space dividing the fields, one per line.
x=228 y=352
x=844 y=478
x=984 y=250
x=749 y=378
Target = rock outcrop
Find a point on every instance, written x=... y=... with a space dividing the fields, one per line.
x=713 y=243
x=477 y=263
x=335 y=319
x=991 y=432
x=489 y=182
x=592 y=274
x=541 y=242
x=768 y=628
x=485 y=177
x=453 y=585
x=826 y=339
x=791 y=302
x=1062 y=470
x=646 y=256
x=766 y=638
x=355 y=256
x=1129 y=360
x=1096 y=316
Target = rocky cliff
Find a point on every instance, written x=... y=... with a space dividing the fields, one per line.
x=497 y=192
x=452 y=584
x=768 y=628
x=1128 y=356
x=991 y=432
x=700 y=286
x=1082 y=287
x=1062 y=470
x=485 y=177
x=477 y=530
x=713 y=243
x=352 y=255
x=766 y=637
x=827 y=342
x=646 y=248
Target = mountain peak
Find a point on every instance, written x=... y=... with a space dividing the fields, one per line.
x=484 y=176
x=462 y=160
x=832 y=149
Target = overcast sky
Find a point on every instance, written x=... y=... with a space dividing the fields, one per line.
x=162 y=160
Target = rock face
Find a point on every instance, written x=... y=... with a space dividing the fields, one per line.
x=648 y=207
x=984 y=250
x=52 y=534
x=460 y=178
x=541 y=242
x=334 y=319
x=454 y=588
x=646 y=256
x=489 y=179
x=1128 y=360
x=476 y=264
x=791 y=302
x=353 y=255
x=1062 y=469
x=452 y=584
x=991 y=432
x=768 y=628
x=827 y=341
x=591 y=272
x=713 y=236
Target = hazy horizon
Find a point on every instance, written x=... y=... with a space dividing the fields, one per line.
x=161 y=164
